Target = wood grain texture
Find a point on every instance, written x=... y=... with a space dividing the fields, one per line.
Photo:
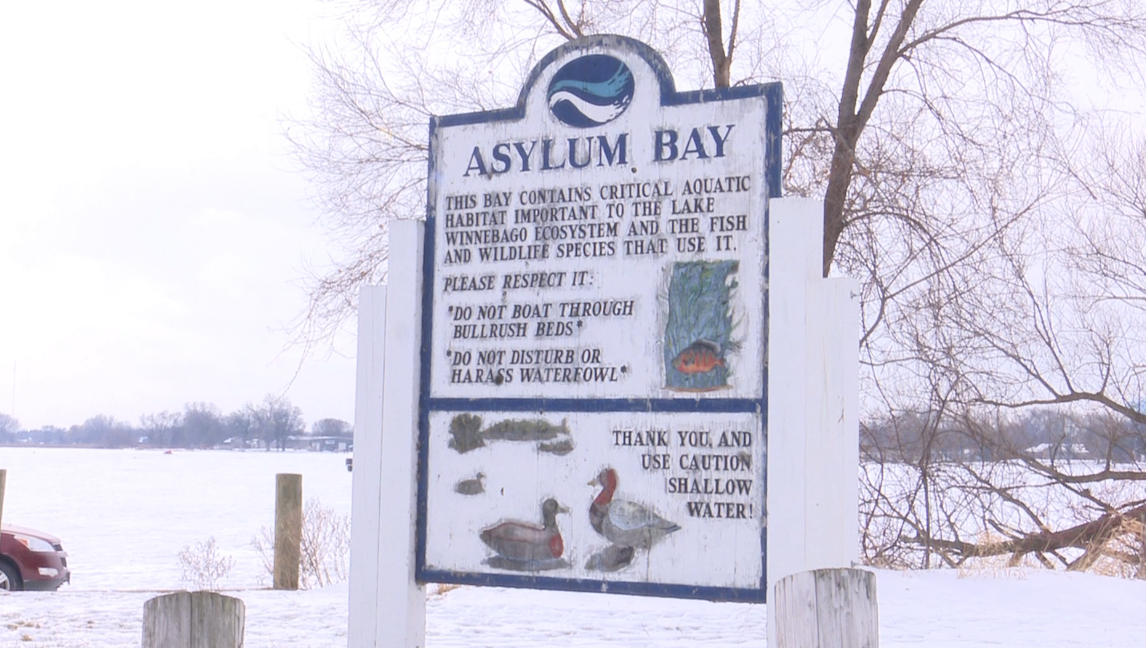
x=194 y=620
x=826 y=608
x=288 y=530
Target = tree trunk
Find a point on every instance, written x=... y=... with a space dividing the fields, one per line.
x=721 y=61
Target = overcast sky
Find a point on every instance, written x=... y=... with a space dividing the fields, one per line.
x=153 y=229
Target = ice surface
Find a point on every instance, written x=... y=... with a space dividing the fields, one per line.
x=123 y=515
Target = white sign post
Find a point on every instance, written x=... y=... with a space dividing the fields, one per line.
x=591 y=370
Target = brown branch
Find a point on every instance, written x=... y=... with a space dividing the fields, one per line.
x=1071 y=397
x=565 y=26
x=1082 y=536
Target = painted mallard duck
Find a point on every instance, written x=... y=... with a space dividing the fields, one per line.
x=524 y=542
x=623 y=523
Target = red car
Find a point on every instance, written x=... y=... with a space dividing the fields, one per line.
x=31 y=560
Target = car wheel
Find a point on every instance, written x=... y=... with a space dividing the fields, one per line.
x=9 y=577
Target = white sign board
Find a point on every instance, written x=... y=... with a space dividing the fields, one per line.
x=593 y=364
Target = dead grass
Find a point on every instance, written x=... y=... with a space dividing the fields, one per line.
x=996 y=567
x=441 y=589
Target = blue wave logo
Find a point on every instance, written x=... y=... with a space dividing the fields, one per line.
x=590 y=91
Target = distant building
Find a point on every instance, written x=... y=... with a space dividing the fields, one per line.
x=320 y=443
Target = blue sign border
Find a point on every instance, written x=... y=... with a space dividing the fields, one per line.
x=773 y=95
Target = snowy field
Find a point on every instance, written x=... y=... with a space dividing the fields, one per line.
x=124 y=515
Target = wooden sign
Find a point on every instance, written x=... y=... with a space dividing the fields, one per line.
x=593 y=374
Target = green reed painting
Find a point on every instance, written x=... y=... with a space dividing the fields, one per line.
x=699 y=329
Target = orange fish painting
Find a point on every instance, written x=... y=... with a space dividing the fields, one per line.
x=699 y=330
x=701 y=356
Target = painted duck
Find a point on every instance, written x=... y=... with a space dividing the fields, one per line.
x=473 y=486
x=610 y=559
x=524 y=542
x=625 y=523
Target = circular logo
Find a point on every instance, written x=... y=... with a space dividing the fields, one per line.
x=590 y=91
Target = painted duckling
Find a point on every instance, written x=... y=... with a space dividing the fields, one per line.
x=473 y=486
x=625 y=523
x=520 y=541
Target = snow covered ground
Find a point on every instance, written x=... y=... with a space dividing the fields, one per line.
x=125 y=515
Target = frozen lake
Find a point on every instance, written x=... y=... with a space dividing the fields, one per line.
x=124 y=515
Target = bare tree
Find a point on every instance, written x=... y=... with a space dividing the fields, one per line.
x=948 y=150
x=1075 y=502
x=9 y=426
x=203 y=425
x=332 y=427
x=243 y=423
x=1056 y=333
x=102 y=431
x=278 y=419
x=164 y=429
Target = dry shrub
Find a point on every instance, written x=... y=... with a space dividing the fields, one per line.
x=324 y=547
x=203 y=566
x=1124 y=553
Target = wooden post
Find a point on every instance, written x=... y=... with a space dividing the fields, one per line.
x=194 y=620
x=3 y=484
x=826 y=608
x=288 y=530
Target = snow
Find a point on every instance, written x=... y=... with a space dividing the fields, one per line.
x=124 y=515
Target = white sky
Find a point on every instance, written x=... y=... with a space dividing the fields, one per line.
x=153 y=230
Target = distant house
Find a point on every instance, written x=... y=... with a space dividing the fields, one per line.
x=1059 y=452
x=234 y=443
x=321 y=443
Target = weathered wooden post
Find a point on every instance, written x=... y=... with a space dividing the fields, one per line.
x=3 y=483
x=826 y=608
x=288 y=530
x=194 y=620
